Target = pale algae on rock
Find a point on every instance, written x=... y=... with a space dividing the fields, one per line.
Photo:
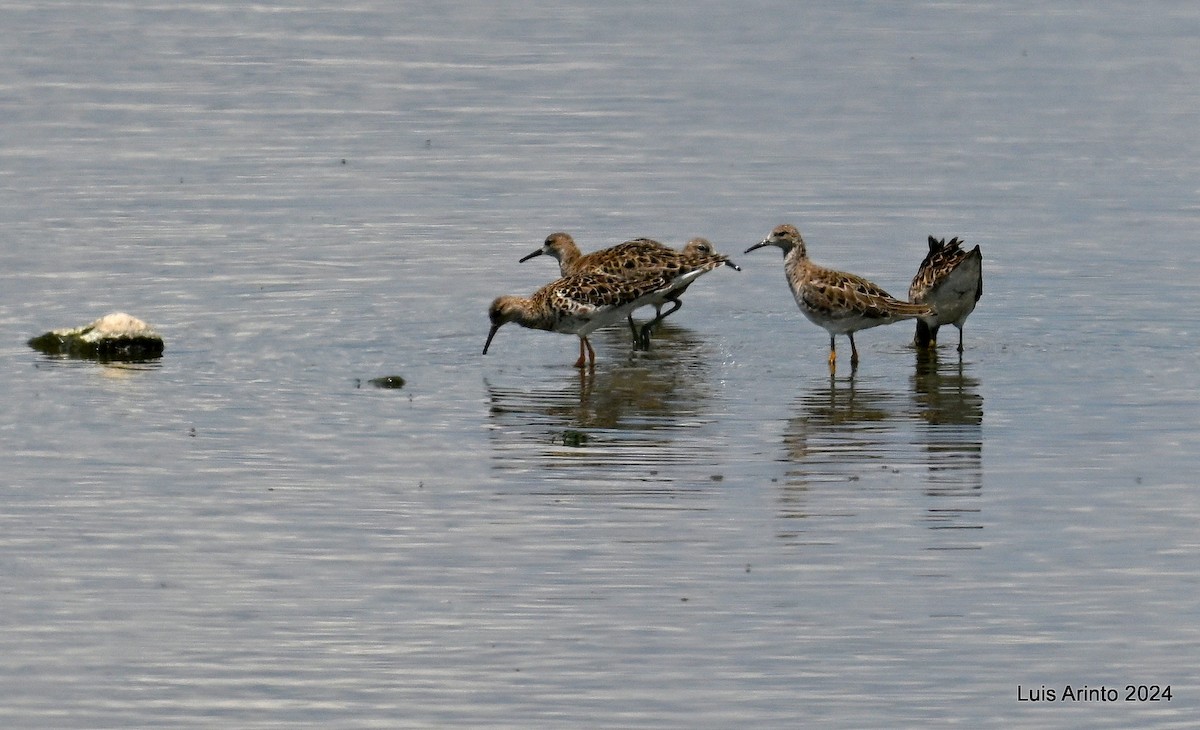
x=116 y=336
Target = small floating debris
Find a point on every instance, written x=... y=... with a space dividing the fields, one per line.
x=574 y=438
x=387 y=381
x=113 y=337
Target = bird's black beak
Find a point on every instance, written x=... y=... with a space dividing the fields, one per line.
x=760 y=244
x=491 y=334
x=528 y=256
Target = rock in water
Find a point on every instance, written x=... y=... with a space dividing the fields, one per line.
x=387 y=381
x=116 y=336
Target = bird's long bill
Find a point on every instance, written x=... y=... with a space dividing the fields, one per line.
x=760 y=244
x=491 y=334
x=530 y=255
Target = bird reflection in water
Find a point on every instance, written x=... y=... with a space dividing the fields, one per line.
x=947 y=400
x=843 y=434
x=856 y=445
x=632 y=425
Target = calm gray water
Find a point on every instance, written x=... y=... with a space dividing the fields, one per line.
x=302 y=197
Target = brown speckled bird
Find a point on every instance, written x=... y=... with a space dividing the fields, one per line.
x=950 y=279
x=840 y=303
x=634 y=259
x=582 y=303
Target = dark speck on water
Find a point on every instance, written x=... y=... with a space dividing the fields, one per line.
x=387 y=382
